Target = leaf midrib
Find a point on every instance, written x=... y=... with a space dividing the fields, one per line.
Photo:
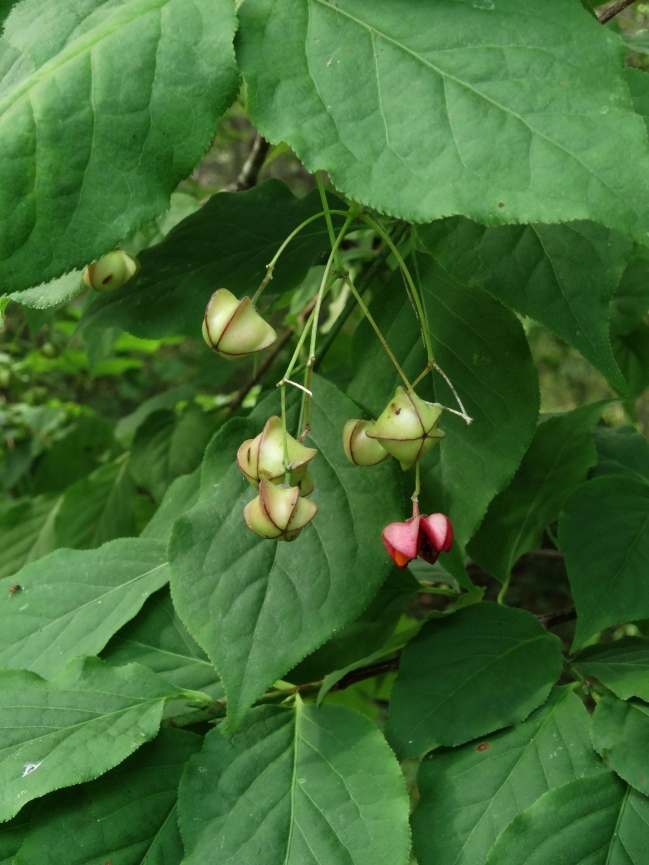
x=121 y=17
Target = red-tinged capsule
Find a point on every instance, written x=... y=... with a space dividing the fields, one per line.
x=233 y=328
x=111 y=272
x=279 y=512
x=407 y=428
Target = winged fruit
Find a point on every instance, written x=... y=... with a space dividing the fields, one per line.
x=111 y=272
x=407 y=428
x=278 y=512
x=359 y=449
x=234 y=328
x=262 y=458
x=423 y=536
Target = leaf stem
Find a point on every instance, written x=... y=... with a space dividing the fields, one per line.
x=411 y=284
x=271 y=266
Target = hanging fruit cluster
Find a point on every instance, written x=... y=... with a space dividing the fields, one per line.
x=277 y=464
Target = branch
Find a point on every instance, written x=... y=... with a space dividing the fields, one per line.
x=612 y=11
x=250 y=172
x=549 y=620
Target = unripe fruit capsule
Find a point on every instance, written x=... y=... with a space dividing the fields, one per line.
x=233 y=328
x=262 y=458
x=111 y=272
x=359 y=449
x=407 y=428
x=278 y=512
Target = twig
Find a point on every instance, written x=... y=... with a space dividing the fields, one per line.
x=612 y=11
x=369 y=672
x=250 y=172
x=235 y=405
x=549 y=620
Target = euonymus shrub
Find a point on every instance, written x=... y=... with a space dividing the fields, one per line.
x=181 y=696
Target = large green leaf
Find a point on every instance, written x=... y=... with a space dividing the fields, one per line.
x=632 y=356
x=27 y=532
x=98 y=508
x=167 y=446
x=620 y=734
x=294 y=787
x=86 y=160
x=257 y=606
x=425 y=110
x=468 y=674
x=482 y=348
x=181 y=497
x=604 y=536
x=630 y=303
x=622 y=665
x=226 y=244
x=71 y=603
x=128 y=816
x=366 y=634
x=596 y=820
x=470 y=794
x=158 y=639
x=13 y=833
x=557 y=461
x=563 y=276
x=85 y=447
x=622 y=450
x=75 y=728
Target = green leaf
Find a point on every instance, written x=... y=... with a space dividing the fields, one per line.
x=128 y=816
x=620 y=734
x=158 y=639
x=13 y=833
x=604 y=536
x=563 y=276
x=470 y=794
x=596 y=820
x=126 y=427
x=622 y=450
x=630 y=303
x=557 y=461
x=167 y=446
x=97 y=509
x=632 y=356
x=27 y=532
x=73 y=729
x=49 y=294
x=481 y=346
x=257 y=606
x=227 y=244
x=181 y=497
x=81 y=451
x=466 y=675
x=622 y=665
x=72 y=602
x=637 y=81
x=296 y=786
x=452 y=108
x=108 y=156
x=369 y=632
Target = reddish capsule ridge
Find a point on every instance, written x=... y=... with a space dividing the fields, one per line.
x=423 y=536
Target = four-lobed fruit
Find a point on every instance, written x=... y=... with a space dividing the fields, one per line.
x=262 y=458
x=359 y=448
x=407 y=428
x=111 y=272
x=423 y=536
x=278 y=512
x=233 y=328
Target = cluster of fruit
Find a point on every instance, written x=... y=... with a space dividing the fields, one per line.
x=276 y=464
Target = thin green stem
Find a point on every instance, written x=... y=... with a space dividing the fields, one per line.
x=429 y=589
x=503 y=591
x=415 y=495
x=411 y=283
x=384 y=342
x=323 y=283
x=285 y=435
x=271 y=266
